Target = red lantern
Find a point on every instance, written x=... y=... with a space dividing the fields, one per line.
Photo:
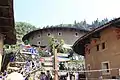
x=94 y=40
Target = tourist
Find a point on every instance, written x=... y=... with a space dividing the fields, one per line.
x=68 y=76
x=100 y=78
x=30 y=77
x=4 y=75
x=48 y=76
x=1 y=76
x=76 y=76
x=43 y=76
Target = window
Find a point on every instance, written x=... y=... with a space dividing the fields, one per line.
x=105 y=65
x=97 y=47
x=39 y=42
x=48 y=34
x=103 y=45
x=76 y=34
x=38 y=35
x=60 y=33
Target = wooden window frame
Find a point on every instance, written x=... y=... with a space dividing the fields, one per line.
x=98 y=47
x=39 y=35
x=106 y=73
x=103 y=45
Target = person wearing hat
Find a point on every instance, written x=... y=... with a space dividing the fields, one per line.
x=43 y=76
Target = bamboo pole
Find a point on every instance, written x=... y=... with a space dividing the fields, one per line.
x=55 y=64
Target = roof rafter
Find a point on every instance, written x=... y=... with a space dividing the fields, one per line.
x=4 y=6
x=5 y=18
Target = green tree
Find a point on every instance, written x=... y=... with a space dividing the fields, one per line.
x=23 y=28
x=58 y=43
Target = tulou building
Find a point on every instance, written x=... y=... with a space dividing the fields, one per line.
x=41 y=37
x=101 y=49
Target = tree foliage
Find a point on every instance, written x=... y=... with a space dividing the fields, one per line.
x=23 y=28
x=58 y=43
x=83 y=24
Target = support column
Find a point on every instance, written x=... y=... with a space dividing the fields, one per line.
x=1 y=49
x=56 y=71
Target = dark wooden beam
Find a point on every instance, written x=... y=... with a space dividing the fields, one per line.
x=4 y=6
x=96 y=35
x=5 y=26
x=4 y=2
x=5 y=21
x=87 y=41
x=5 y=18
x=117 y=26
x=5 y=12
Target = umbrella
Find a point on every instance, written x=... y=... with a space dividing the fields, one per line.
x=15 y=76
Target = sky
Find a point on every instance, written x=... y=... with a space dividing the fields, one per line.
x=53 y=12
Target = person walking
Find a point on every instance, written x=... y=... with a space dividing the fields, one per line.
x=48 y=76
x=68 y=76
x=43 y=76
x=76 y=76
x=30 y=77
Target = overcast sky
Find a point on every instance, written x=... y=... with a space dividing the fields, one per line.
x=52 y=12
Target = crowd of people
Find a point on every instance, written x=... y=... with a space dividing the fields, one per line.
x=41 y=76
x=44 y=76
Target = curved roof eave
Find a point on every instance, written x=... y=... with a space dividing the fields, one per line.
x=29 y=34
x=92 y=32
